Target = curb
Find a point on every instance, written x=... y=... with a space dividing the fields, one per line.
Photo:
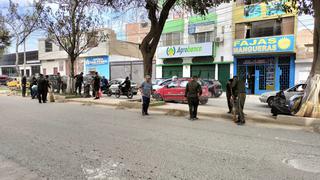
x=281 y=119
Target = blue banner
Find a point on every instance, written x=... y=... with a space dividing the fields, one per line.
x=273 y=44
x=98 y=64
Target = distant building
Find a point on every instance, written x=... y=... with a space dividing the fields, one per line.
x=264 y=45
x=110 y=58
x=304 y=46
x=135 y=32
x=8 y=64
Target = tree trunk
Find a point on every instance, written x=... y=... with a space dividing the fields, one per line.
x=17 y=59
x=71 y=83
x=310 y=103
x=147 y=61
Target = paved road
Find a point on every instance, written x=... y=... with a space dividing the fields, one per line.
x=72 y=141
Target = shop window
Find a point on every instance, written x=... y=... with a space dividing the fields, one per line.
x=174 y=38
x=201 y=60
x=44 y=71
x=203 y=37
x=48 y=46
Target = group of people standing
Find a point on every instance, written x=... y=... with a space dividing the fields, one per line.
x=96 y=84
x=38 y=87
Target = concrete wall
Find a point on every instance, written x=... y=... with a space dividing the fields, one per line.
x=302 y=70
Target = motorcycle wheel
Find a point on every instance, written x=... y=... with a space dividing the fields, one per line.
x=117 y=93
x=109 y=93
x=130 y=95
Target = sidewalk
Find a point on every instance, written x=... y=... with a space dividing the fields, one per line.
x=216 y=108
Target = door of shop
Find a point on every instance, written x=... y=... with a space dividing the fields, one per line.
x=203 y=71
x=170 y=71
x=223 y=74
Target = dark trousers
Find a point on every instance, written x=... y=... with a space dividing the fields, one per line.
x=241 y=102
x=59 y=88
x=41 y=96
x=24 y=89
x=45 y=95
x=78 y=88
x=229 y=102
x=145 y=104
x=193 y=103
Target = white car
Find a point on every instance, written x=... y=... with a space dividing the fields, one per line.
x=268 y=97
x=114 y=85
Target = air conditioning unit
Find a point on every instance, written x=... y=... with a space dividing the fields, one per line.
x=219 y=39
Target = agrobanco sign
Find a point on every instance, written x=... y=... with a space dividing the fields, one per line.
x=191 y=50
x=274 y=44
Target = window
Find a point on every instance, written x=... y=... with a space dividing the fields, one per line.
x=173 y=84
x=266 y=28
x=170 y=39
x=203 y=37
x=48 y=46
x=222 y=29
x=92 y=39
x=44 y=71
x=184 y=84
x=222 y=58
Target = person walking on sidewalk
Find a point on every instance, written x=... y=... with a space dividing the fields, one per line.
x=193 y=91
x=96 y=85
x=79 y=82
x=229 y=93
x=24 y=86
x=239 y=97
x=146 y=91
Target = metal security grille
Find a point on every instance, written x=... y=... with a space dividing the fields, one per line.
x=284 y=65
x=262 y=76
x=203 y=71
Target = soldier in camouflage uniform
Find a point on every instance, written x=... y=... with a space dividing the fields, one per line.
x=239 y=98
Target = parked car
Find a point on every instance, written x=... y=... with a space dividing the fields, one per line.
x=114 y=85
x=268 y=97
x=13 y=83
x=175 y=91
x=4 y=79
x=214 y=86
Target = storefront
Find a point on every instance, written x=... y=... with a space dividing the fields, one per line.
x=186 y=61
x=267 y=64
x=98 y=64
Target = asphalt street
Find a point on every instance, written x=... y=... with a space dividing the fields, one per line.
x=73 y=141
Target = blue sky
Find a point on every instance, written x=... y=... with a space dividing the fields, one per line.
x=116 y=21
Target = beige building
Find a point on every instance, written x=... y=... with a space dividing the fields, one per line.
x=304 y=55
x=108 y=58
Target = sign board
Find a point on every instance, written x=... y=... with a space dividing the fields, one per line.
x=273 y=44
x=191 y=50
x=99 y=64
